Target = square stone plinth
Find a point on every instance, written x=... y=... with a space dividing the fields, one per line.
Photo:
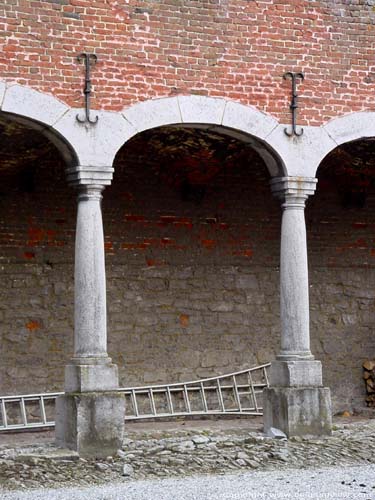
x=90 y=423
x=301 y=373
x=90 y=377
x=298 y=411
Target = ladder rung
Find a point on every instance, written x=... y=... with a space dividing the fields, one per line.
x=152 y=401
x=204 y=401
x=169 y=399
x=186 y=398
x=220 y=394
x=134 y=401
x=42 y=410
x=252 y=390
x=235 y=390
x=3 y=409
x=23 y=411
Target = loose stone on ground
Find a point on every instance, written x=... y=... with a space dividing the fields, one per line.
x=158 y=454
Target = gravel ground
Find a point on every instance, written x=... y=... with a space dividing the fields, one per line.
x=335 y=483
x=197 y=460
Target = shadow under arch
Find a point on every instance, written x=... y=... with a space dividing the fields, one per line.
x=217 y=115
x=62 y=145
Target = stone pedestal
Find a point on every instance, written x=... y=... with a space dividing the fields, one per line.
x=91 y=423
x=91 y=377
x=298 y=411
x=296 y=373
x=296 y=401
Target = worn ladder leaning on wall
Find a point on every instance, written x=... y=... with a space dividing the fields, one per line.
x=237 y=393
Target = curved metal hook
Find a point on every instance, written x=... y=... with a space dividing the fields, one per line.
x=87 y=118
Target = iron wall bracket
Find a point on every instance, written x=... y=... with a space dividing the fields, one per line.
x=294 y=102
x=88 y=58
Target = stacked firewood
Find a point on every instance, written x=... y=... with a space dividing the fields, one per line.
x=369 y=376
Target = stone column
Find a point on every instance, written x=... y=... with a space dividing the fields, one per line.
x=90 y=416
x=296 y=401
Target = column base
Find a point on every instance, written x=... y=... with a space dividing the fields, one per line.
x=298 y=411
x=90 y=423
x=296 y=373
x=91 y=377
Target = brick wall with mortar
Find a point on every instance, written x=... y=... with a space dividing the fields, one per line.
x=235 y=49
x=192 y=263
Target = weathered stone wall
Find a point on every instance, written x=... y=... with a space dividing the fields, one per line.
x=237 y=49
x=340 y=222
x=192 y=274
x=192 y=277
x=37 y=218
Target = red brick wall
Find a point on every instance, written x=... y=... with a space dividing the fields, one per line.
x=235 y=49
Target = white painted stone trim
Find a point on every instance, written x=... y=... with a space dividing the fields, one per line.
x=216 y=113
x=348 y=128
x=201 y=109
x=303 y=154
x=97 y=145
x=38 y=110
x=351 y=127
x=30 y=103
x=293 y=186
x=154 y=113
x=81 y=175
x=196 y=109
x=248 y=120
x=2 y=92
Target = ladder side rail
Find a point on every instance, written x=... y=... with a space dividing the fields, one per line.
x=152 y=401
x=265 y=375
x=250 y=412
x=178 y=384
x=30 y=397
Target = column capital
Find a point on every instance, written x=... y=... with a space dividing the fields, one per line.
x=90 y=192
x=82 y=175
x=294 y=191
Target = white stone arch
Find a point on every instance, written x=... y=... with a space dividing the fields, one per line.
x=349 y=128
x=38 y=111
x=224 y=116
x=82 y=145
x=303 y=155
x=91 y=149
